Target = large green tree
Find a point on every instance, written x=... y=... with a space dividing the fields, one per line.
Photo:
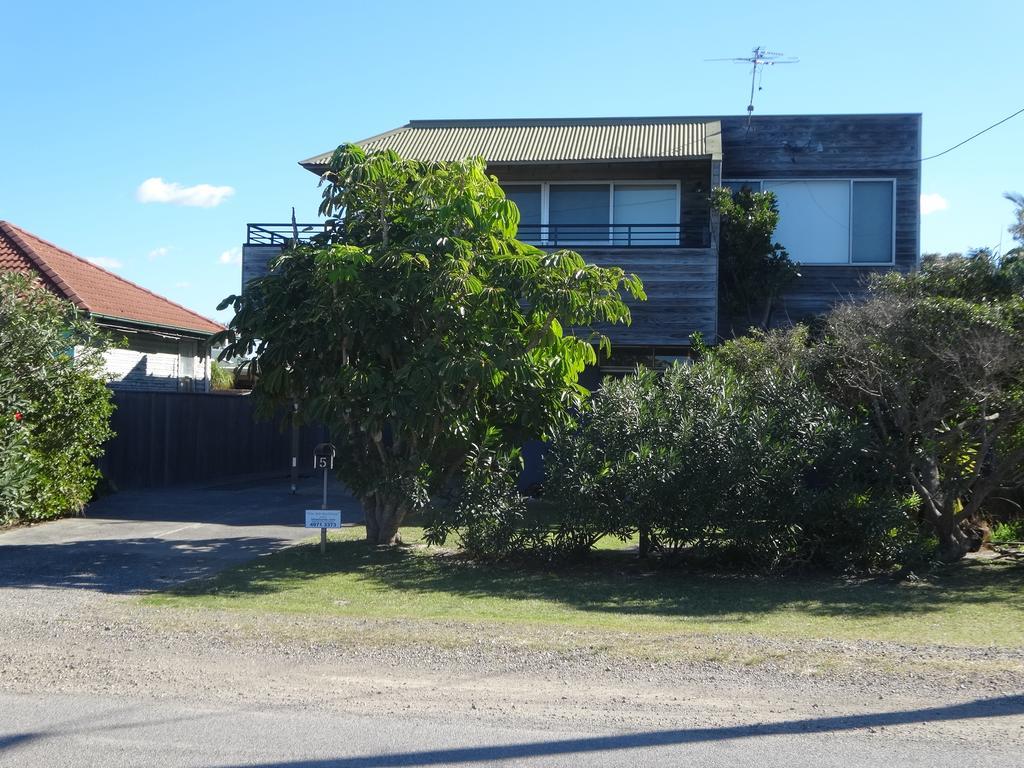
x=935 y=362
x=419 y=329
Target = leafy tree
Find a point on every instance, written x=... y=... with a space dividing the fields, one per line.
x=419 y=329
x=752 y=269
x=54 y=406
x=935 y=361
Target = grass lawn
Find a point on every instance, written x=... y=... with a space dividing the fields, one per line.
x=975 y=603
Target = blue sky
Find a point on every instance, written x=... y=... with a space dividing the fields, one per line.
x=101 y=97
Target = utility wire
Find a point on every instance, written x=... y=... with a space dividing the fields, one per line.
x=971 y=138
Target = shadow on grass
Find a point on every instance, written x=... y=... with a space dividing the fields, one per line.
x=616 y=582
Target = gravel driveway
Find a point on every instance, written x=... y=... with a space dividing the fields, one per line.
x=203 y=688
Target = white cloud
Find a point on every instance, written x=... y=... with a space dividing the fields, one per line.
x=157 y=253
x=106 y=263
x=233 y=256
x=932 y=202
x=183 y=285
x=156 y=190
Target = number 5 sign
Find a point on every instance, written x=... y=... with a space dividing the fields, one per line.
x=323 y=456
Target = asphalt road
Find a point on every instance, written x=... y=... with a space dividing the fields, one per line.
x=90 y=731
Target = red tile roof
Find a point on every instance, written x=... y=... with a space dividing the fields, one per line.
x=92 y=288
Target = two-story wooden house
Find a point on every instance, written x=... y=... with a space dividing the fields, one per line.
x=635 y=192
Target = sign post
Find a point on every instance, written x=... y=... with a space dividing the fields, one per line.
x=323 y=518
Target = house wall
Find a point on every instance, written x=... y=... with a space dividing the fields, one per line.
x=831 y=146
x=681 y=288
x=156 y=364
x=256 y=261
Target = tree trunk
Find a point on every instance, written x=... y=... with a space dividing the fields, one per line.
x=939 y=510
x=954 y=542
x=645 y=542
x=383 y=518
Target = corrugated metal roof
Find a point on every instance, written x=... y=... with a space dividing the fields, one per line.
x=548 y=141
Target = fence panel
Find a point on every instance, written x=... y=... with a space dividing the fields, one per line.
x=176 y=438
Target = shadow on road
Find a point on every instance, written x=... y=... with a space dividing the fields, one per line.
x=999 y=707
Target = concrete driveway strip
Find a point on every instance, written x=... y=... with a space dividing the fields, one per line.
x=136 y=541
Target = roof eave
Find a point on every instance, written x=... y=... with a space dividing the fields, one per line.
x=319 y=169
x=142 y=324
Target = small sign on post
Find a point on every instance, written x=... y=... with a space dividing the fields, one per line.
x=323 y=518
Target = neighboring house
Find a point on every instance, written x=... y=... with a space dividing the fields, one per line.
x=166 y=346
x=635 y=192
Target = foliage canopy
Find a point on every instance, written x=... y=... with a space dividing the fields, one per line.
x=934 y=361
x=753 y=269
x=419 y=329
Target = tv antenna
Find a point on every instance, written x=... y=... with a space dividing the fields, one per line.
x=759 y=58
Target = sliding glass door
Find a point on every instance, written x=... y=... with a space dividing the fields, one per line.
x=623 y=214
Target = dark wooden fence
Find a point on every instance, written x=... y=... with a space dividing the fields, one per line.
x=172 y=438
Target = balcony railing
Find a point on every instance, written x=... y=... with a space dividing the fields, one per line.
x=276 y=234
x=603 y=235
x=543 y=235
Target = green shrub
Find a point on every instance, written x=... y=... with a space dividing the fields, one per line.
x=1003 y=533
x=54 y=406
x=486 y=513
x=934 y=363
x=737 y=459
x=221 y=376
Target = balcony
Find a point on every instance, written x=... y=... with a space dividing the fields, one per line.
x=679 y=273
x=542 y=235
x=276 y=234
x=584 y=236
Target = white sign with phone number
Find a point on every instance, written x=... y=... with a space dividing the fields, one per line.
x=323 y=518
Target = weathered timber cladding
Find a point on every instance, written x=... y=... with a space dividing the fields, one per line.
x=172 y=438
x=681 y=287
x=256 y=261
x=831 y=146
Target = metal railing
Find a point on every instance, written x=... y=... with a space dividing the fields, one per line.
x=604 y=235
x=277 y=234
x=544 y=235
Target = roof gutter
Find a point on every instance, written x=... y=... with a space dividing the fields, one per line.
x=154 y=326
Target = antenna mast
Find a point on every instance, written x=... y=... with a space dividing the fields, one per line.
x=759 y=59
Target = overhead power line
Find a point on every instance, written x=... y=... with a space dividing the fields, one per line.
x=972 y=138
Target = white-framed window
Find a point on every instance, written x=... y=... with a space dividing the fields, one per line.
x=612 y=213
x=833 y=221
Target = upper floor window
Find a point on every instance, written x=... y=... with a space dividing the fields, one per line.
x=833 y=221
x=598 y=213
